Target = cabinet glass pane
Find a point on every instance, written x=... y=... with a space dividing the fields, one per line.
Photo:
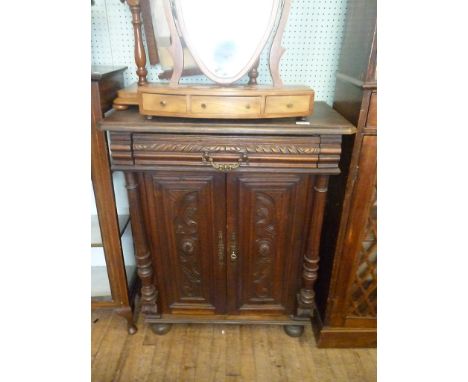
x=100 y=287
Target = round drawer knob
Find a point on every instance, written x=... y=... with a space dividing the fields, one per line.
x=163 y=103
x=203 y=105
x=289 y=105
x=247 y=106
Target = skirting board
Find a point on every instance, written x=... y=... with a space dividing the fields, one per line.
x=343 y=337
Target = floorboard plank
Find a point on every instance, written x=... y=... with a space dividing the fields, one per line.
x=247 y=366
x=203 y=357
x=233 y=353
x=161 y=356
x=100 y=320
x=218 y=354
x=263 y=368
x=109 y=353
x=189 y=354
x=136 y=357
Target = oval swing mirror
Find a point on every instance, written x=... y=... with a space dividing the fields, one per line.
x=226 y=37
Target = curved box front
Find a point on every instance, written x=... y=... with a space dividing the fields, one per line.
x=235 y=102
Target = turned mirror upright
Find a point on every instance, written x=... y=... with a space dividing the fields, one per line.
x=223 y=39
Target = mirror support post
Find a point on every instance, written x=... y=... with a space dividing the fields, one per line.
x=277 y=50
x=140 y=55
x=176 y=49
x=253 y=73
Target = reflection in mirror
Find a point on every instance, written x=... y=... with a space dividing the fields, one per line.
x=226 y=37
x=163 y=38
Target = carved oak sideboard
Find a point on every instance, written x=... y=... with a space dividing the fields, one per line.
x=226 y=214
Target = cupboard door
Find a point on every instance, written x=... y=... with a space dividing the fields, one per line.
x=187 y=229
x=266 y=215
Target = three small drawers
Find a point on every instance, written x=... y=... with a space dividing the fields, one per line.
x=201 y=106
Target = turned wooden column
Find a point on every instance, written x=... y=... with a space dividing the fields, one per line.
x=149 y=294
x=253 y=73
x=140 y=55
x=311 y=256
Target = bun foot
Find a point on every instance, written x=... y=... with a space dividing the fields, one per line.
x=132 y=329
x=294 y=330
x=161 y=329
x=119 y=107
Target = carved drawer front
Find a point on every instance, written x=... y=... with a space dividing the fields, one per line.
x=287 y=104
x=163 y=103
x=372 y=114
x=226 y=105
x=227 y=153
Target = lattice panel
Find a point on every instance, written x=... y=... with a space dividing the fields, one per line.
x=364 y=288
x=312 y=40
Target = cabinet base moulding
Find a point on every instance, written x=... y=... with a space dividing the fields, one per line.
x=225 y=320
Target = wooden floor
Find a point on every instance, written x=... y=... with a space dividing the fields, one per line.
x=218 y=353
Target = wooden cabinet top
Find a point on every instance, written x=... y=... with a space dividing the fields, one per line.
x=324 y=120
x=98 y=72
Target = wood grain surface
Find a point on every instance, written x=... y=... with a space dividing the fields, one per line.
x=237 y=101
x=219 y=353
x=325 y=120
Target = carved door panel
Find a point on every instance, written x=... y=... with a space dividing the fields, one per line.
x=187 y=229
x=265 y=227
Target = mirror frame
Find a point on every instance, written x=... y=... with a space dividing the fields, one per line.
x=178 y=13
x=276 y=28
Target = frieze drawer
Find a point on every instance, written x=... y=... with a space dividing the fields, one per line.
x=226 y=153
x=226 y=105
x=288 y=105
x=164 y=103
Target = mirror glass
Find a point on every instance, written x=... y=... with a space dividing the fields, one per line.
x=162 y=35
x=225 y=37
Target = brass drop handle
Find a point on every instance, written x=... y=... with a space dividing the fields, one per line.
x=207 y=159
x=203 y=105
x=163 y=103
x=233 y=246
x=289 y=105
